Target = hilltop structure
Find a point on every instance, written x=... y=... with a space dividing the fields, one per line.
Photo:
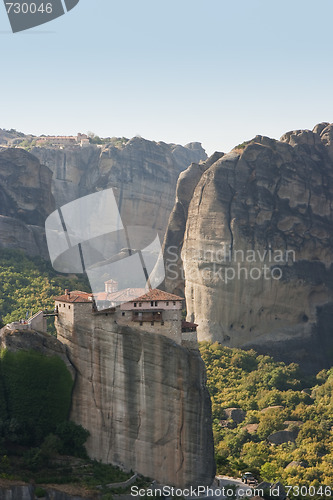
x=140 y=386
x=154 y=311
x=61 y=140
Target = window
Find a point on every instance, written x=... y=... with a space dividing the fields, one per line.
x=156 y=303
x=69 y=307
x=123 y=314
x=152 y=323
x=140 y=304
x=162 y=323
x=152 y=303
x=174 y=302
x=141 y=323
x=167 y=303
x=134 y=304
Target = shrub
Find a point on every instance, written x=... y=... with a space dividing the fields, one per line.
x=40 y=492
x=72 y=437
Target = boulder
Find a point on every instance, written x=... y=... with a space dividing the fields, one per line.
x=281 y=437
x=235 y=414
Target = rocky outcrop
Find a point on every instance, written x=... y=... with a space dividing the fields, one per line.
x=144 y=401
x=142 y=173
x=16 y=490
x=258 y=247
x=174 y=237
x=25 y=201
x=43 y=343
x=235 y=414
x=281 y=437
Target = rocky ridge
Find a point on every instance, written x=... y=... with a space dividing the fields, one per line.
x=267 y=203
x=142 y=173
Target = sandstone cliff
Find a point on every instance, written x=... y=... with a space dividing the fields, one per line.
x=267 y=203
x=174 y=237
x=144 y=400
x=25 y=201
x=143 y=174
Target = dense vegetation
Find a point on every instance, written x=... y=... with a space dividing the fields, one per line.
x=37 y=441
x=28 y=284
x=252 y=382
x=36 y=395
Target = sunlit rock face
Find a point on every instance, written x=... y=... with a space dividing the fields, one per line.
x=143 y=399
x=142 y=173
x=258 y=246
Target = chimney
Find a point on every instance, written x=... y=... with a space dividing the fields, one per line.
x=67 y=292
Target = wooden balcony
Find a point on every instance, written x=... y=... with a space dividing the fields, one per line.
x=147 y=316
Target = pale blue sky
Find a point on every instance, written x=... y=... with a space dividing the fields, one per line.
x=213 y=71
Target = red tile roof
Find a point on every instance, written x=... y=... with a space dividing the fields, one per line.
x=75 y=296
x=156 y=294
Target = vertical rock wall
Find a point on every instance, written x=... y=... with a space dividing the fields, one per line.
x=267 y=203
x=144 y=400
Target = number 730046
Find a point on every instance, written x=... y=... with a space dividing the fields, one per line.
x=29 y=8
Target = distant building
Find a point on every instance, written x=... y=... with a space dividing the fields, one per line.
x=154 y=311
x=62 y=140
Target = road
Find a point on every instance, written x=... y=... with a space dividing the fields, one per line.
x=226 y=488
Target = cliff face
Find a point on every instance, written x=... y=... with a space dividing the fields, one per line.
x=25 y=201
x=258 y=247
x=143 y=174
x=174 y=237
x=144 y=400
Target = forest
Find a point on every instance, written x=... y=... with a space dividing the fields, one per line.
x=272 y=397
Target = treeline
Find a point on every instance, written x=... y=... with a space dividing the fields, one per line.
x=28 y=284
x=273 y=397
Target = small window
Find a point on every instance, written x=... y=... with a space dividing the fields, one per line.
x=152 y=323
x=69 y=307
x=174 y=302
x=152 y=303
x=156 y=303
x=141 y=323
x=140 y=304
x=123 y=314
x=134 y=304
x=167 y=303
x=162 y=323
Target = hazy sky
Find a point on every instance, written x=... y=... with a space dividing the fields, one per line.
x=214 y=71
